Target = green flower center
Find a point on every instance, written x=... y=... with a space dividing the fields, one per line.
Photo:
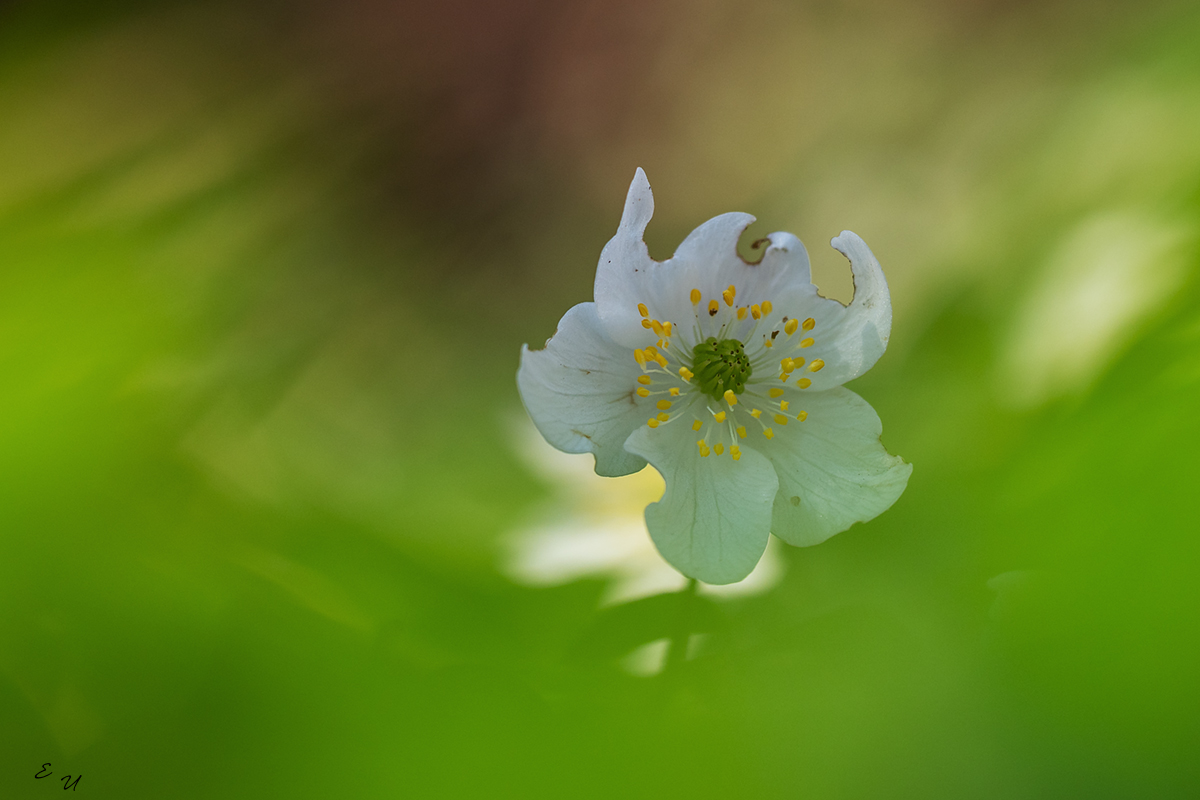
x=720 y=366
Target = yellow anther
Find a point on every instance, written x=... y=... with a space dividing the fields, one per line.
x=695 y=297
x=643 y=392
x=646 y=324
x=775 y=392
x=804 y=383
x=788 y=364
x=735 y=452
x=732 y=290
x=730 y=397
x=661 y=359
x=756 y=413
x=661 y=343
x=816 y=365
x=645 y=312
x=644 y=380
x=704 y=451
x=697 y=425
x=767 y=432
x=674 y=391
x=809 y=324
x=666 y=328
x=640 y=357
x=742 y=312
x=718 y=448
x=780 y=419
x=657 y=326
x=663 y=405
x=791 y=326
x=756 y=311
x=653 y=423
x=686 y=373
x=663 y=416
x=803 y=415
x=651 y=352
x=741 y=431
x=713 y=307
x=768 y=343
x=719 y=416
x=766 y=306
x=783 y=405
x=799 y=363
x=806 y=343
x=783 y=376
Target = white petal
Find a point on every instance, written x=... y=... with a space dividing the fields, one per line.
x=579 y=392
x=713 y=521
x=626 y=273
x=833 y=470
x=848 y=340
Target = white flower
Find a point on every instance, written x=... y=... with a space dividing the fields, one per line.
x=727 y=378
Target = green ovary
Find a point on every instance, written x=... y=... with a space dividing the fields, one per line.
x=720 y=366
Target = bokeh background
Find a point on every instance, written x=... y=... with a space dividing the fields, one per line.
x=265 y=269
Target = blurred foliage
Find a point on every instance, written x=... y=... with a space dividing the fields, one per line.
x=264 y=272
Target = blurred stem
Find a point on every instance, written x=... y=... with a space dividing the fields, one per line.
x=677 y=650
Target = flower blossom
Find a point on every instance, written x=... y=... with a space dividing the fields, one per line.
x=727 y=378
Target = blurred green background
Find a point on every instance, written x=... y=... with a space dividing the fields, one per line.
x=264 y=272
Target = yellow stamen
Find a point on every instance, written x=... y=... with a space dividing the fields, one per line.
x=643 y=392
x=718 y=448
x=640 y=357
x=806 y=343
x=735 y=452
x=643 y=310
x=756 y=311
x=653 y=423
x=816 y=365
x=804 y=383
x=644 y=380
x=651 y=351
x=730 y=397
x=727 y=295
x=788 y=364
x=663 y=405
x=674 y=391
x=756 y=413
x=780 y=419
x=663 y=416
x=719 y=416
x=713 y=307
x=742 y=312
x=695 y=297
x=799 y=363
x=646 y=324
x=783 y=376
x=775 y=392
x=768 y=343
x=697 y=425
x=741 y=431
x=791 y=326
x=703 y=449
x=766 y=306
x=666 y=328
x=767 y=432
x=803 y=415
x=661 y=359
x=809 y=324
x=686 y=373
x=657 y=326
x=783 y=405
